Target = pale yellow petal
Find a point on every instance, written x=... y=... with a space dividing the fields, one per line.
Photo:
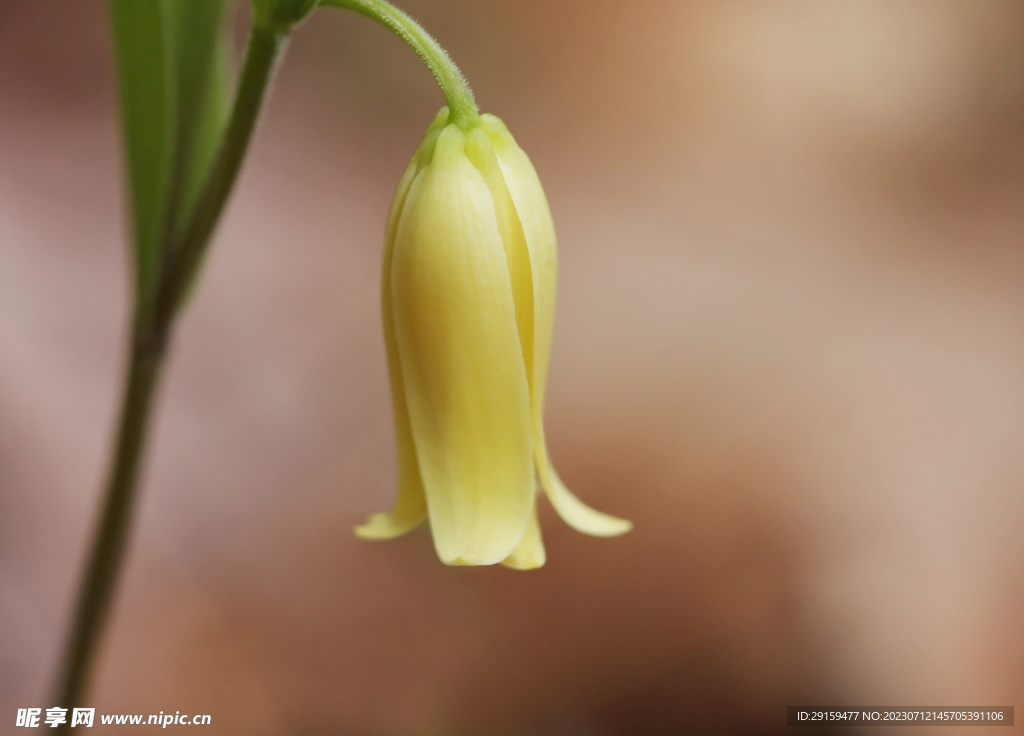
x=529 y=553
x=538 y=228
x=461 y=362
x=577 y=514
x=534 y=221
x=481 y=154
x=426 y=149
x=410 y=508
x=390 y=524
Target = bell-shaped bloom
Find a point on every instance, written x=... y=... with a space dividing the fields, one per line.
x=468 y=300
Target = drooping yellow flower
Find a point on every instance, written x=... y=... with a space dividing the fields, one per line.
x=468 y=300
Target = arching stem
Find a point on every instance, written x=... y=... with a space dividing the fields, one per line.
x=461 y=104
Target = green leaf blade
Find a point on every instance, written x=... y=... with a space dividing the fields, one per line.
x=173 y=62
x=147 y=119
x=202 y=50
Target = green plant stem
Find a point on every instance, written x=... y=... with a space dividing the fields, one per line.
x=145 y=361
x=461 y=103
x=150 y=337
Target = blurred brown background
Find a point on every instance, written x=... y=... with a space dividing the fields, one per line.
x=789 y=346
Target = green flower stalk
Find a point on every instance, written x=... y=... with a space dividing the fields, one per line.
x=469 y=275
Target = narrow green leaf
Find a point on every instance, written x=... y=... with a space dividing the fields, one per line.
x=203 y=63
x=144 y=66
x=173 y=60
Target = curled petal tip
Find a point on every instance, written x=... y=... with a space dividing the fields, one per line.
x=529 y=554
x=578 y=515
x=523 y=564
x=384 y=526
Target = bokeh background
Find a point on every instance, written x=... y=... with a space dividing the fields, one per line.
x=789 y=346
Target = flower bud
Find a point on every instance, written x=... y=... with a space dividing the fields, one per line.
x=469 y=276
